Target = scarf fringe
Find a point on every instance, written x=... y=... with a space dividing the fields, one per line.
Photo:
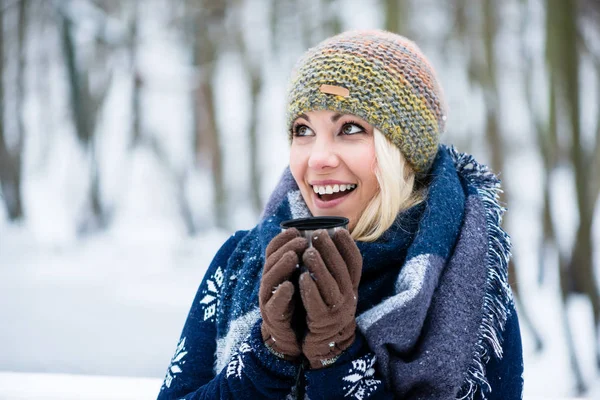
x=498 y=294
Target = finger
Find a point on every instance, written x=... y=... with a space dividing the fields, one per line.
x=350 y=253
x=281 y=305
x=297 y=245
x=327 y=285
x=311 y=298
x=332 y=259
x=278 y=313
x=281 y=239
x=280 y=272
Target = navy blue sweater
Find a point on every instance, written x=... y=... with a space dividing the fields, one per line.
x=254 y=373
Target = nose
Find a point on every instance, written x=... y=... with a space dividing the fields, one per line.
x=323 y=155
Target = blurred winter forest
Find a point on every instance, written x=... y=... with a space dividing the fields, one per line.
x=131 y=124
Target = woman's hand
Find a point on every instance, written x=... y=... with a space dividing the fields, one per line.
x=329 y=294
x=276 y=293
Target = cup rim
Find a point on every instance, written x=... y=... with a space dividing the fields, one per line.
x=314 y=223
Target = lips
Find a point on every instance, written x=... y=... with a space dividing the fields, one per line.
x=333 y=196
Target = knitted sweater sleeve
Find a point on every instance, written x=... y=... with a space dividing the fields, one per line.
x=252 y=372
x=353 y=376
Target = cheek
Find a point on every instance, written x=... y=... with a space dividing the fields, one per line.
x=373 y=187
x=364 y=163
x=369 y=168
x=297 y=164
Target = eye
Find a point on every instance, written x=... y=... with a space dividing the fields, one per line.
x=352 y=128
x=302 y=130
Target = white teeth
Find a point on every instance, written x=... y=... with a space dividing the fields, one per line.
x=332 y=189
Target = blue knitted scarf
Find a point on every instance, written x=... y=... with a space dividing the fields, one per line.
x=433 y=295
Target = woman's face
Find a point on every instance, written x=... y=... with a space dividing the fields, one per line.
x=332 y=159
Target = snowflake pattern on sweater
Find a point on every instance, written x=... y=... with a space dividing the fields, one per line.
x=211 y=292
x=176 y=363
x=359 y=383
x=236 y=365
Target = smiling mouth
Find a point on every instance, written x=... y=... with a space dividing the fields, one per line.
x=330 y=193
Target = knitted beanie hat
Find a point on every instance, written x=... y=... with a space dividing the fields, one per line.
x=380 y=77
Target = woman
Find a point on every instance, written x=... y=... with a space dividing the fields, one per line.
x=412 y=302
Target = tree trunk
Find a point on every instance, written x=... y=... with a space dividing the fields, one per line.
x=395 y=12
x=580 y=385
x=10 y=157
x=256 y=83
x=577 y=275
x=546 y=135
x=255 y=176
x=334 y=22
x=85 y=107
x=488 y=79
x=207 y=140
x=136 y=107
x=548 y=234
x=581 y=264
x=549 y=151
x=79 y=105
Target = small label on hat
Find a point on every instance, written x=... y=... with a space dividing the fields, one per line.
x=336 y=90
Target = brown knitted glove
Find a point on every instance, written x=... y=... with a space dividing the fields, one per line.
x=329 y=294
x=276 y=293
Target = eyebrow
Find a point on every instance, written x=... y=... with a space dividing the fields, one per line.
x=335 y=117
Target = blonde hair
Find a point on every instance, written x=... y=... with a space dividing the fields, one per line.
x=396 y=191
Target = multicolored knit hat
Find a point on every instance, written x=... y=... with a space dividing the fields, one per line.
x=381 y=77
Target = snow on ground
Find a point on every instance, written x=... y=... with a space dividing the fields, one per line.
x=105 y=306
x=33 y=386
